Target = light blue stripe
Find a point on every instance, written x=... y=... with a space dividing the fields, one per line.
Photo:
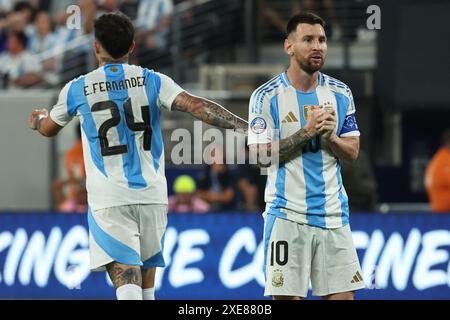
x=76 y=97
x=257 y=107
x=131 y=160
x=267 y=91
x=280 y=183
x=342 y=198
x=284 y=79
x=312 y=170
x=158 y=259
x=321 y=79
x=342 y=105
x=153 y=85
x=270 y=221
x=160 y=11
x=118 y=251
x=262 y=88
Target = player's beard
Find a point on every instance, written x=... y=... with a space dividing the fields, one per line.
x=310 y=67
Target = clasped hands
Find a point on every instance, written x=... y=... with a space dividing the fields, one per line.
x=322 y=122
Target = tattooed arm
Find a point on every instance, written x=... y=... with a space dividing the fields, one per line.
x=290 y=147
x=209 y=112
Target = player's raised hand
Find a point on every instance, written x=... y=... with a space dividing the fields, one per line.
x=327 y=124
x=36 y=114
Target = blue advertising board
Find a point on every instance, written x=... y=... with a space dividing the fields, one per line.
x=219 y=256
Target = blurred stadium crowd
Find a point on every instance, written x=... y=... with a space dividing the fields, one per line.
x=35 y=36
x=44 y=44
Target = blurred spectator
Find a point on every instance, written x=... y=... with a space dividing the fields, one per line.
x=324 y=8
x=271 y=16
x=437 y=177
x=251 y=184
x=184 y=200
x=5 y=7
x=359 y=182
x=18 y=67
x=42 y=38
x=74 y=198
x=16 y=20
x=88 y=14
x=215 y=185
x=110 y=6
x=75 y=202
x=73 y=160
x=78 y=57
x=152 y=29
x=27 y=12
x=41 y=42
x=130 y=8
x=41 y=5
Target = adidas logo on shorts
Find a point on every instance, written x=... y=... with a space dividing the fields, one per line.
x=357 y=277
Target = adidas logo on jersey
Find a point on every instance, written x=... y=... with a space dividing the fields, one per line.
x=357 y=277
x=289 y=118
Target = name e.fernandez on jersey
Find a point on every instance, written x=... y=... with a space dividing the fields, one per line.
x=114 y=85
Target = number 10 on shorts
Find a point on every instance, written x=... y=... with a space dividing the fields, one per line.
x=280 y=248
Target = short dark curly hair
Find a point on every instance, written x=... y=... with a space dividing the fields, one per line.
x=115 y=32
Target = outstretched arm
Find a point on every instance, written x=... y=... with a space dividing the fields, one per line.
x=41 y=122
x=209 y=112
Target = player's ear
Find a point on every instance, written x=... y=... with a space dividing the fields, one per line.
x=97 y=47
x=288 y=47
x=133 y=45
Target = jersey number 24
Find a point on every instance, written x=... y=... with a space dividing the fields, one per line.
x=114 y=121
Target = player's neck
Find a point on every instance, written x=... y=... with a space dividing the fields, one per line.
x=302 y=80
x=102 y=61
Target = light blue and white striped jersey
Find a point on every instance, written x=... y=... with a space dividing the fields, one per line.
x=307 y=189
x=119 y=110
x=150 y=12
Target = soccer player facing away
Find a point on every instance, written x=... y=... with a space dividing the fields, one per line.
x=306 y=222
x=119 y=109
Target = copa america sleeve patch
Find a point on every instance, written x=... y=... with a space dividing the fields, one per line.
x=258 y=125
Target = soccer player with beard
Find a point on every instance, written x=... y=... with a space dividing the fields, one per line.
x=308 y=118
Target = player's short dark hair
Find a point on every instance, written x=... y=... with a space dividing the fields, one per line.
x=303 y=17
x=115 y=32
x=20 y=36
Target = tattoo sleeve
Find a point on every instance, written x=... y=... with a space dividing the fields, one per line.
x=121 y=274
x=288 y=148
x=209 y=112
